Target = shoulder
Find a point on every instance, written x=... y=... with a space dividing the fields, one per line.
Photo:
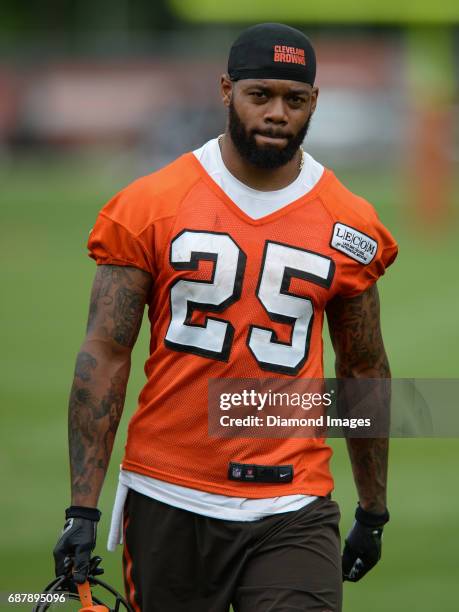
x=155 y=196
x=345 y=205
x=357 y=230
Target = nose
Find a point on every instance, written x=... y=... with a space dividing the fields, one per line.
x=275 y=112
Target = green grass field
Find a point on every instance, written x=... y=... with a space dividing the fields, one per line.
x=47 y=211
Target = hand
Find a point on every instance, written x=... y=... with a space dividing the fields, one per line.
x=78 y=540
x=362 y=549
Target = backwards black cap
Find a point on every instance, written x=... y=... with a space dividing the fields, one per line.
x=272 y=51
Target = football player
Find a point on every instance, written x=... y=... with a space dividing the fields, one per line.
x=238 y=249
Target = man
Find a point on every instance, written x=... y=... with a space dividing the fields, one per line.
x=238 y=248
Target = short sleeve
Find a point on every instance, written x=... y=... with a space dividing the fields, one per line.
x=361 y=265
x=110 y=242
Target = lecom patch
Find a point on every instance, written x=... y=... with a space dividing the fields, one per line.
x=353 y=243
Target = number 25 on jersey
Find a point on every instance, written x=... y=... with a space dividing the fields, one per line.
x=280 y=263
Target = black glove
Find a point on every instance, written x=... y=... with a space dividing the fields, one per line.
x=362 y=549
x=78 y=540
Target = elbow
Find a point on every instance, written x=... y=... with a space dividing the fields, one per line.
x=367 y=366
x=107 y=348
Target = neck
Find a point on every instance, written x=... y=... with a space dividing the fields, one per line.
x=263 y=179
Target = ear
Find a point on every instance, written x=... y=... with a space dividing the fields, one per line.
x=314 y=96
x=226 y=89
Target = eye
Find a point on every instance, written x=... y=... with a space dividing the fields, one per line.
x=297 y=100
x=258 y=95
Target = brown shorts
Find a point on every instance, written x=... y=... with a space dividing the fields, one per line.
x=179 y=561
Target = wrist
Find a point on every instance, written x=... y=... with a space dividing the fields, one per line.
x=86 y=501
x=85 y=512
x=374 y=505
x=371 y=519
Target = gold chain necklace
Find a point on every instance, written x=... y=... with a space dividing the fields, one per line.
x=300 y=167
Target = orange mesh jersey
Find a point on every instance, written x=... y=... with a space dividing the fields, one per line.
x=236 y=298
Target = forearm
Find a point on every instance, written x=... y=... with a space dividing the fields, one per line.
x=360 y=354
x=369 y=457
x=95 y=408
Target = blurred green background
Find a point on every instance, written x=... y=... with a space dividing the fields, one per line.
x=57 y=171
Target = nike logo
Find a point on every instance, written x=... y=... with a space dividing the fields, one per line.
x=283 y=475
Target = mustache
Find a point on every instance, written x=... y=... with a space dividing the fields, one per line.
x=273 y=134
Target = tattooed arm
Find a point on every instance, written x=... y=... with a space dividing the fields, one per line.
x=355 y=331
x=118 y=298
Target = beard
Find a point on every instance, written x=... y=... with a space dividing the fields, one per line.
x=267 y=157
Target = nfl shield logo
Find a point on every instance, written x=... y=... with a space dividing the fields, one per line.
x=237 y=472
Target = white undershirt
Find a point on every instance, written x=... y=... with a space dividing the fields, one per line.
x=255 y=204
